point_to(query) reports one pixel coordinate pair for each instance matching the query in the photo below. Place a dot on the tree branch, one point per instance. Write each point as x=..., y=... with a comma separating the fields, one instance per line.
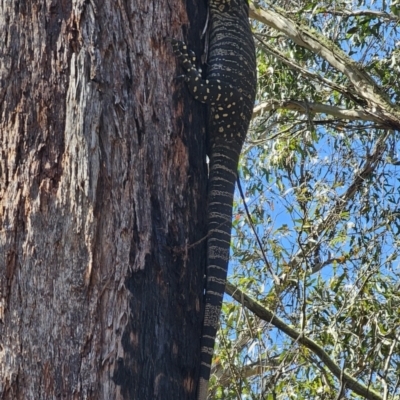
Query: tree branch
x=270, y=317
x=379, y=104
x=333, y=215
x=359, y=13
x=303, y=71
x=304, y=107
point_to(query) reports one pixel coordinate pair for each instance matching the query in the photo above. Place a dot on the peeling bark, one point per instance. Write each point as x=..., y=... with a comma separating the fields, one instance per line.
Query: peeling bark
x=102, y=190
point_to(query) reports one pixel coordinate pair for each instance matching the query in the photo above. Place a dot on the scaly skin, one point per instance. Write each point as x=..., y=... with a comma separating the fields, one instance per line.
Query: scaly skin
x=229, y=91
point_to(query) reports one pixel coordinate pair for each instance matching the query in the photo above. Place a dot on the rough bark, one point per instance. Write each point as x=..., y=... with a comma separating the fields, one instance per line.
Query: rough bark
x=102, y=191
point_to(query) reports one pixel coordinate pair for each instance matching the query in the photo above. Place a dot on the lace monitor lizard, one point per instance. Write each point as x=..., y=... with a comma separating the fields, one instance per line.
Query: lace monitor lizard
x=229, y=92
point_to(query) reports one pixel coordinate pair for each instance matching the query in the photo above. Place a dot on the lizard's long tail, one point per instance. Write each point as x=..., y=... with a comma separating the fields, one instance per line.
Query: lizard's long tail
x=223, y=167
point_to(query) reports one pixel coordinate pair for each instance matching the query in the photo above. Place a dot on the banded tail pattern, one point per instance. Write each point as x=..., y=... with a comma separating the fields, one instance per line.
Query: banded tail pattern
x=229, y=92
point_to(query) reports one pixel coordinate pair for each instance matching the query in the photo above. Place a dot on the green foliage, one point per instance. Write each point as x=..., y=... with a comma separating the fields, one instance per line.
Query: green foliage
x=324, y=197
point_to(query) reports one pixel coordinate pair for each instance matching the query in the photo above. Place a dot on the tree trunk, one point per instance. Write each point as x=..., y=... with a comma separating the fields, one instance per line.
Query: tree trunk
x=102, y=192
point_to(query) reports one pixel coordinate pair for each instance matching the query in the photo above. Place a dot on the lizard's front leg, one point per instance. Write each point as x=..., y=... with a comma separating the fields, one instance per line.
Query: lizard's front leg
x=210, y=91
